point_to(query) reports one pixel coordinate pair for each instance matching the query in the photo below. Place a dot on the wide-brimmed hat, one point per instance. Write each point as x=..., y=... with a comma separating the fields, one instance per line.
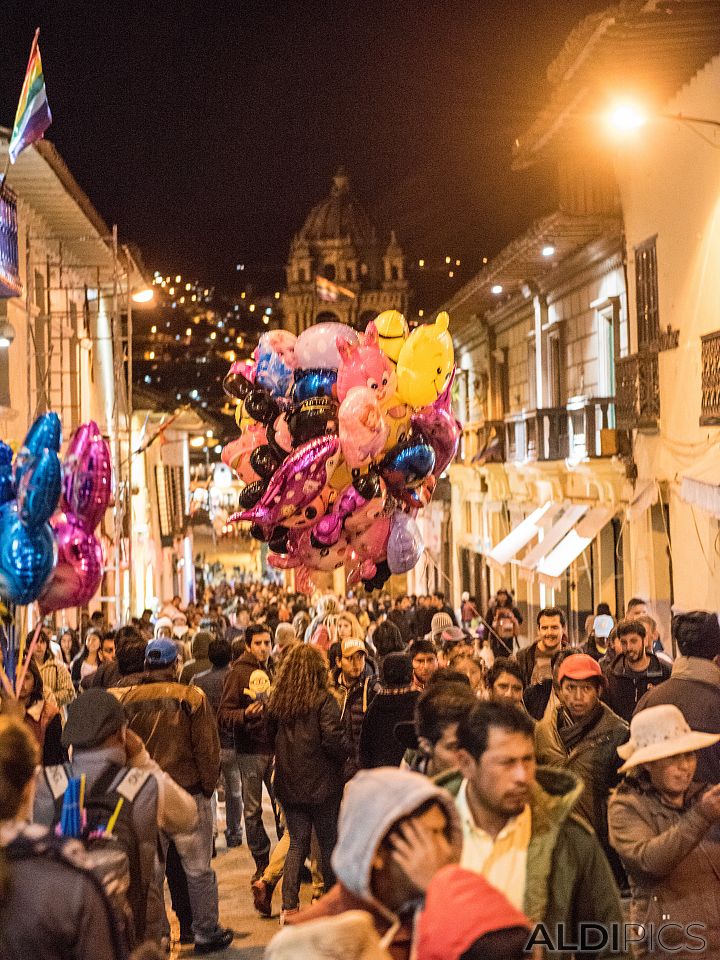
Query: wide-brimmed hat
x=660, y=732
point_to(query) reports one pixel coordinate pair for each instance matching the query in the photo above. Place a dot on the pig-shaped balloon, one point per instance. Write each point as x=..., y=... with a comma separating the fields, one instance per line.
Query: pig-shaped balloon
x=425, y=363
x=438, y=426
x=362, y=427
x=370, y=547
x=365, y=365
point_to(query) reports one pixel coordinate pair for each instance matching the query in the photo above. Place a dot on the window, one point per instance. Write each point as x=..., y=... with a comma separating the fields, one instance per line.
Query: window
x=349, y=275
x=646, y=294
x=329, y=271
x=301, y=276
x=554, y=369
x=171, y=503
x=394, y=273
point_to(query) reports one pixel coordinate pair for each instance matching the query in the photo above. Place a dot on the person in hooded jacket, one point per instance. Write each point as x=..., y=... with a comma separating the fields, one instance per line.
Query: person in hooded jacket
x=394, y=703
x=200, y=661
x=381, y=809
x=634, y=671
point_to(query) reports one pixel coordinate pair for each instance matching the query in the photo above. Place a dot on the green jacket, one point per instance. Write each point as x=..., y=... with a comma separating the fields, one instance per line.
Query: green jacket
x=568, y=879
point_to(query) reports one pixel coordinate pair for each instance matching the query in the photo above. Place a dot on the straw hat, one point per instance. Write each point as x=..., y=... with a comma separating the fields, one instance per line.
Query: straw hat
x=660, y=732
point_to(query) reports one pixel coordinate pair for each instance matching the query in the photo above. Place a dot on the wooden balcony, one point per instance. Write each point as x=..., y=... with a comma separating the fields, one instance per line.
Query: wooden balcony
x=710, y=409
x=10, y=285
x=637, y=391
x=587, y=418
x=536, y=435
x=482, y=443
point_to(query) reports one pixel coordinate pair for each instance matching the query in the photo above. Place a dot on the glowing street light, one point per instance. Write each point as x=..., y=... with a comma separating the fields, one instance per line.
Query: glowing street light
x=548, y=250
x=625, y=116
x=496, y=289
x=143, y=296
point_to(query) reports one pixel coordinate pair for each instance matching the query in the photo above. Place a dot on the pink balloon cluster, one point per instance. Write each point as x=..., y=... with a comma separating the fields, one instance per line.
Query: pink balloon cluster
x=86, y=491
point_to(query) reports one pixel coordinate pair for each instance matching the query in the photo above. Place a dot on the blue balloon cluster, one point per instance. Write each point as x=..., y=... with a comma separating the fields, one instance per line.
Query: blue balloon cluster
x=29, y=495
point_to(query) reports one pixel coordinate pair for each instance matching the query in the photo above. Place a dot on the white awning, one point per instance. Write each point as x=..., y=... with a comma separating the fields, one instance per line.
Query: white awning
x=521, y=535
x=646, y=494
x=700, y=485
x=554, y=565
x=564, y=522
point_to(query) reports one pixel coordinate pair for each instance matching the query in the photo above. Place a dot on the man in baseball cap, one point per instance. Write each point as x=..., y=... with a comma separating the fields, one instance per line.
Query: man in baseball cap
x=357, y=686
x=583, y=736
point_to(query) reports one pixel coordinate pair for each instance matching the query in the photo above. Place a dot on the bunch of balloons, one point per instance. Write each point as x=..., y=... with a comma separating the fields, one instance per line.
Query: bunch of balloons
x=56, y=560
x=86, y=491
x=343, y=437
x=29, y=494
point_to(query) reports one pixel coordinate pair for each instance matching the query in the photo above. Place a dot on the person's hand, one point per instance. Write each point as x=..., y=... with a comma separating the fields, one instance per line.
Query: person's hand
x=254, y=709
x=709, y=804
x=420, y=853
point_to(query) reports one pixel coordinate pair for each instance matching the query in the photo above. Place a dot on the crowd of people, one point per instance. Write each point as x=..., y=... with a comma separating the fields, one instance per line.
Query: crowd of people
x=457, y=792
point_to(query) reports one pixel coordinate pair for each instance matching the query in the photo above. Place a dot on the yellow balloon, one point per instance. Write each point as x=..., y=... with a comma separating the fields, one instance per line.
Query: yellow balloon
x=342, y=477
x=425, y=363
x=241, y=418
x=392, y=331
x=397, y=416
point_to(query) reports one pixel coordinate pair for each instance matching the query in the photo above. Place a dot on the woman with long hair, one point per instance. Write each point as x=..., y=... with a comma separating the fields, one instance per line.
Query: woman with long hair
x=50, y=906
x=311, y=748
x=69, y=646
x=89, y=658
x=41, y=717
x=347, y=626
x=56, y=676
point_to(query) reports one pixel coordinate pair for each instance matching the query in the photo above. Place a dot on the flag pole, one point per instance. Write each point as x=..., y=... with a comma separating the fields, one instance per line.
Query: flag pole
x=33, y=47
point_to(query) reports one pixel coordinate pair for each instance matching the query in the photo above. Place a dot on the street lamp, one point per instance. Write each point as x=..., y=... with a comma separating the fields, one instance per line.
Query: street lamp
x=7, y=333
x=143, y=296
x=627, y=116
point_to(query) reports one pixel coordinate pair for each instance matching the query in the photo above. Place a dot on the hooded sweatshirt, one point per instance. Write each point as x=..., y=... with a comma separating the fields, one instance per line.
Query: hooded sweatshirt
x=200, y=661
x=374, y=801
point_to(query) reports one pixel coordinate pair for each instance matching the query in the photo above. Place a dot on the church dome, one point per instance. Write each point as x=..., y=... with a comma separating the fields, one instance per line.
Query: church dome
x=338, y=217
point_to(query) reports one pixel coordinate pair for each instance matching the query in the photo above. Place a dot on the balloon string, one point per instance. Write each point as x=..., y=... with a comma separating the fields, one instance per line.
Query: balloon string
x=26, y=665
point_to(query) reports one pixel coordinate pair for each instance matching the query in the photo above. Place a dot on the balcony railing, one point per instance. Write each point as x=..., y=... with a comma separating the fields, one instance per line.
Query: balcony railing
x=482, y=443
x=10, y=285
x=710, y=410
x=637, y=391
x=587, y=418
x=536, y=434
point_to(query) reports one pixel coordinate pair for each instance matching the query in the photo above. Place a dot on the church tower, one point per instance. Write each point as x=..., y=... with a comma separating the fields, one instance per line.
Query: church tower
x=339, y=243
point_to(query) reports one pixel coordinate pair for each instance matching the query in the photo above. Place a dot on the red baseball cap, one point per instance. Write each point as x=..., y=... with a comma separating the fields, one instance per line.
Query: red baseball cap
x=579, y=666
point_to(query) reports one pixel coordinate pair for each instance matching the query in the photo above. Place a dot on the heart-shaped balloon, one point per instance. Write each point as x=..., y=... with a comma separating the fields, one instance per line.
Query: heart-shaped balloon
x=87, y=481
x=78, y=573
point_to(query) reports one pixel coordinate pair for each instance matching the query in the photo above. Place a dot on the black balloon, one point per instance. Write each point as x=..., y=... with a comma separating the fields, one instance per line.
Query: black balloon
x=368, y=485
x=313, y=383
x=250, y=494
x=407, y=465
x=382, y=575
x=278, y=542
x=312, y=418
x=265, y=461
x=260, y=533
x=236, y=385
x=261, y=406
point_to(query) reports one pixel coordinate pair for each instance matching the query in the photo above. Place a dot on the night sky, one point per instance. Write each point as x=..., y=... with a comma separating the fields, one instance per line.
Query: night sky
x=208, y=130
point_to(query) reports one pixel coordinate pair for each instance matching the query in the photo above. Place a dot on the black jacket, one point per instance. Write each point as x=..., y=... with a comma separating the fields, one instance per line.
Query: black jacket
x=250, y=735
x=310, y=753
x=626, y=688
x=354, y=704
x=378, y=746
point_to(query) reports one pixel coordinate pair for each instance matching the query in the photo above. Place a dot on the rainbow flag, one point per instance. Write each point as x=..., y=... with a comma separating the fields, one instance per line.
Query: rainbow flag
x=33, y=113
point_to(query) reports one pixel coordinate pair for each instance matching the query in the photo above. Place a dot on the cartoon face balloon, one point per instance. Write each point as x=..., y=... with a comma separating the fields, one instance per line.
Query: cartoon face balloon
x=425, y=363
x=236, y=454
x=392, y=331
x=276, y=362
x=316, y=347
x=407, y=465
x=363, y=430
x=438, y=426
x=363, y=364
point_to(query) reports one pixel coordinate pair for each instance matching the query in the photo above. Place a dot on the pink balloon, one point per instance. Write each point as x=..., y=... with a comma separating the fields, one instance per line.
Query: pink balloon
x=371, y=544
x=362, y=428
x=365, y=365
x=297, y=482
x=355, y=510
x=236, y=454
x=303, y=552
x=78, y=573
x=439, y=428
x=87, y=482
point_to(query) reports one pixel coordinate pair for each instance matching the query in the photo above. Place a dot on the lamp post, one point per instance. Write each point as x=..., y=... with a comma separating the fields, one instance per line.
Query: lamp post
x=627, y=116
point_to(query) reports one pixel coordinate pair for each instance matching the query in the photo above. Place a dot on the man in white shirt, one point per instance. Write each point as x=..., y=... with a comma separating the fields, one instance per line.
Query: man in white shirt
x=519, y=829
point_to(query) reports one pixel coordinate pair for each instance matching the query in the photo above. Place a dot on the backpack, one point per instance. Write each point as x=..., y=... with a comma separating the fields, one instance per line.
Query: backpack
x=116, y=861
x=66, y=851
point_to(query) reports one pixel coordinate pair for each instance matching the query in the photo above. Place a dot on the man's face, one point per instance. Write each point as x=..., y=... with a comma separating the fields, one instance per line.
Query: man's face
x=352, y=666
x=424, y=666
x=579, y=697
x=461, y=649
x=639, y=610
x=108, y=649
x=633, y=646
x=501, y=780
x=444, y=754
x=260, y=646
x=243, y=619
x=550, y=632
x=507, y=689
x=405, y=603
x=388, y=881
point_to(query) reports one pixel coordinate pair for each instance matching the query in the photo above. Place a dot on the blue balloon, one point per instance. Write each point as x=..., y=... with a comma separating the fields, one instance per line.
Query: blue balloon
x=39, y=490
x=407, y=464
x=7, y=487
x=27, y=557
x=313, y=383
x=44, y=434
